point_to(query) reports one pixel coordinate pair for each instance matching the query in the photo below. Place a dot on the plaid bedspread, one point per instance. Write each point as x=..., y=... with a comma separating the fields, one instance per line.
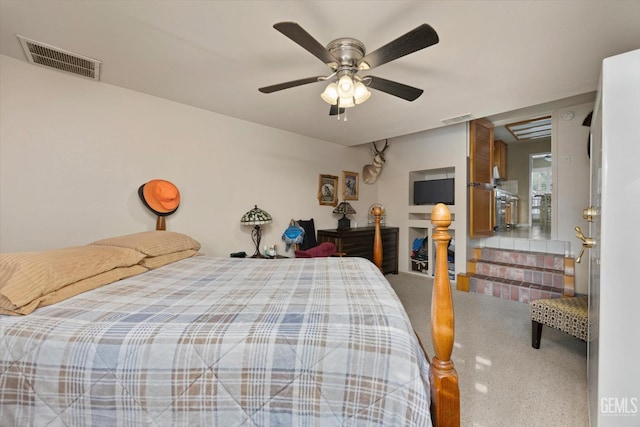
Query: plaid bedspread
x=219, y=342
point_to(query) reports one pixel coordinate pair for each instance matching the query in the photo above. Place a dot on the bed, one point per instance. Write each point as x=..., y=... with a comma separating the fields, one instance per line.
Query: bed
x=186, y=339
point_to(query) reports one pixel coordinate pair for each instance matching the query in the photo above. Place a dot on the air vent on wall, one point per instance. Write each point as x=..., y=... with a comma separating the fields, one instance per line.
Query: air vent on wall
x=60, y=59
x=458, y=119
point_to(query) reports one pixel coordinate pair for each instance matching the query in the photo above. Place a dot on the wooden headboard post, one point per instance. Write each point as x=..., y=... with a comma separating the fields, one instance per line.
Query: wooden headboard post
x=377, y=238
x=445, y=393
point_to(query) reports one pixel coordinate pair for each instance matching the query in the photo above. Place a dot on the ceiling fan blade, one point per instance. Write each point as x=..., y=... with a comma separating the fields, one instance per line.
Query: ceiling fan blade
x=287, y=85
x=296, y=33
x=334, y=111
x=416, y=39
x=400, y=90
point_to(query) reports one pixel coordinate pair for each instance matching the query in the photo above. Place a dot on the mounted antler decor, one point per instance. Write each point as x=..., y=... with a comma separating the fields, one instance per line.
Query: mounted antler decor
x=370, y=172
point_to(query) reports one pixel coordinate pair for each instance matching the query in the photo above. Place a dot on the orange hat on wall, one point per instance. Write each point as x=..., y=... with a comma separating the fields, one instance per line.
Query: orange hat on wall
x=160, y=196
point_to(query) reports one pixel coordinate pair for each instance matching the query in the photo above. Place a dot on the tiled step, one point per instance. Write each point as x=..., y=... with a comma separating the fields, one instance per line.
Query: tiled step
x=522, y=258
x=519, y=275
x=511, y=289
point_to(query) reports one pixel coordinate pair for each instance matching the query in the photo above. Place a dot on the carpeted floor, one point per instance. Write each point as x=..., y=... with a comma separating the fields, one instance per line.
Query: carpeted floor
x=503, y=380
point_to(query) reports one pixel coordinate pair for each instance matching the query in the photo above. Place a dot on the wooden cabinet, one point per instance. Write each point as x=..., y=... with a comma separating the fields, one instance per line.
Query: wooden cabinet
x=480, y=178
x=500, y=158
x=358, y=242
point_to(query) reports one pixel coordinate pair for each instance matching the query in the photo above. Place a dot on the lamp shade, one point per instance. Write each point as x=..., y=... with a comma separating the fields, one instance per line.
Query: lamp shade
x=345, y=87
x=330, y=94
x=256, y=216
x=346, y=102
x=344, y=208
x=346, y=92
x=361, y=93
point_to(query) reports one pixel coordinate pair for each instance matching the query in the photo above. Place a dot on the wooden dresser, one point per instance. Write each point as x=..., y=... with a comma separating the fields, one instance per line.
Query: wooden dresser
x=358, y=242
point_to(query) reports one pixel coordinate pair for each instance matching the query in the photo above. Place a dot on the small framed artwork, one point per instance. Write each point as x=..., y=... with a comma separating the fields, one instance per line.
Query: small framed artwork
x=350, y=185
x=328, y=190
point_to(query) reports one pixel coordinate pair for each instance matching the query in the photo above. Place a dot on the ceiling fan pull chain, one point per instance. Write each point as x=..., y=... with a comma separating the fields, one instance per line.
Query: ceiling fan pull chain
x=345, y=115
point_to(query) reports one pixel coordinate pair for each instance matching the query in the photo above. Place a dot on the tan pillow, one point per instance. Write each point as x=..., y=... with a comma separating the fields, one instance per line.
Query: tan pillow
x=158, y=261
x=153, y=243
x=72, y=289
x=26, y=276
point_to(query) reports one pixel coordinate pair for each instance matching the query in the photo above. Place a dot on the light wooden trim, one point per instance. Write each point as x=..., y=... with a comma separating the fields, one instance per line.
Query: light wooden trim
x=377, y=238
x=462, y=282
x=445, y=393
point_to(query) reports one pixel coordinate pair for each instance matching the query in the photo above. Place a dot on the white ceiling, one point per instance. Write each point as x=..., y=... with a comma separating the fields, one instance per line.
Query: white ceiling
x=493, y=56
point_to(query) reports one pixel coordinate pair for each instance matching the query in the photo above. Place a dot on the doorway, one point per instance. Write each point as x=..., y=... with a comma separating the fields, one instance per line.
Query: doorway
x=529, y=165
x=540, y=189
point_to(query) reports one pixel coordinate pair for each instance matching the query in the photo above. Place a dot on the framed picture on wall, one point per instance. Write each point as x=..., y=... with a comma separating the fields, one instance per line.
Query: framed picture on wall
x=328, y=190
x=350, y=185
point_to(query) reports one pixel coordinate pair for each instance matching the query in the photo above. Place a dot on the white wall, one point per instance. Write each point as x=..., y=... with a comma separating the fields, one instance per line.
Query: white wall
x=73, y=153
x=570, y=194
x=434, y=149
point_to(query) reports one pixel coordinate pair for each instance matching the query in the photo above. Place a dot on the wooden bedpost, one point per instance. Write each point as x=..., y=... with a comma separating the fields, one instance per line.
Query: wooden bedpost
x=445, y=394
x=377, y=238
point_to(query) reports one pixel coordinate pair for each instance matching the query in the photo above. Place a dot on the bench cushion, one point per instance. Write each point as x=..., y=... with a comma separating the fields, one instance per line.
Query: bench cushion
x=570, y=315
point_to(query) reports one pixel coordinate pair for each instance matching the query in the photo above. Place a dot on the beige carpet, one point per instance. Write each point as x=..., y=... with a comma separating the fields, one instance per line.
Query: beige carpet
x=503, y=380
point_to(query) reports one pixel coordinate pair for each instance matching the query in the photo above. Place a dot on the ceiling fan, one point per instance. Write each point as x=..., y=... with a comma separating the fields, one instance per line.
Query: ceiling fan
x=346, y=57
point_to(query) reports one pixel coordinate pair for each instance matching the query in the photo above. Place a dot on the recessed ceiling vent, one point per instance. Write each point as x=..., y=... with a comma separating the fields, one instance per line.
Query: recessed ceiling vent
x=60, y=59
x=458, y=119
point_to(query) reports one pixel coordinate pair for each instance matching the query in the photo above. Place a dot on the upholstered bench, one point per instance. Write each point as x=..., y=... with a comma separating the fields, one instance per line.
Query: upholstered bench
x=570, y=315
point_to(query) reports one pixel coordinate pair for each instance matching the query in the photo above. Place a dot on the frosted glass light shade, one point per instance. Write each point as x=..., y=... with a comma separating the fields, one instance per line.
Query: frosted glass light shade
x=330, y=94
x=361, y=93
x=346, y=102
x=345, y=87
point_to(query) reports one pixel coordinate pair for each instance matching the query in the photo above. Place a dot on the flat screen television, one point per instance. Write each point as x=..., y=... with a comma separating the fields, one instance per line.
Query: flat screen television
x=434, y=191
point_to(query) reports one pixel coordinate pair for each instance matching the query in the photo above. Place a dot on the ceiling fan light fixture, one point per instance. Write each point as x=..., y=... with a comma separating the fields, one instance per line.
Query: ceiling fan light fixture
x=347, y=56
x=346, y=102
x=360, y=93
x=330, y=94
x=345, y=87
